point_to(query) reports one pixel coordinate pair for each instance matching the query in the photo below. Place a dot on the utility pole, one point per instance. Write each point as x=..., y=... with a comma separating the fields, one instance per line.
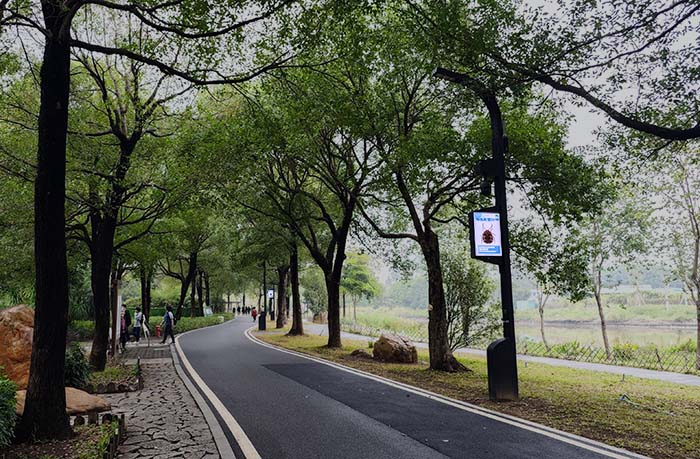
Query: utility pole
x=500, y=354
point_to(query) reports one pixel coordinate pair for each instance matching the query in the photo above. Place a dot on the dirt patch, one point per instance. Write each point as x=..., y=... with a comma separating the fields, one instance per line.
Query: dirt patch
x=85, y=444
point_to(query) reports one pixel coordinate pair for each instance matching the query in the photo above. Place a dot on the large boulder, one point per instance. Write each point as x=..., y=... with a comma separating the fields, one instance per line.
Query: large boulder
x=16, y=331
x=77, y=402
x=394, y=348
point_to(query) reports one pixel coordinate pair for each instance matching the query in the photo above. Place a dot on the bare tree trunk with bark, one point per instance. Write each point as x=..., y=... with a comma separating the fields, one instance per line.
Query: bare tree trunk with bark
x=541, y=303
x=297, y=319
x=45, y=405
x=281, y=295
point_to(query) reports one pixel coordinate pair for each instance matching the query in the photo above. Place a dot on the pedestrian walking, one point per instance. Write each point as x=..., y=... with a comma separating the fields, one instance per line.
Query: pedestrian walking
x=169, y=323
x=127, y=320
x=122, y=331
x=138, y=321
x=254, y=313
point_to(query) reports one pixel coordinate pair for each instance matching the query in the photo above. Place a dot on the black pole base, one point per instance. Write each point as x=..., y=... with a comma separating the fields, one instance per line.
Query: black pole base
x=272, y=315
x=262, y=321
x=503, y=370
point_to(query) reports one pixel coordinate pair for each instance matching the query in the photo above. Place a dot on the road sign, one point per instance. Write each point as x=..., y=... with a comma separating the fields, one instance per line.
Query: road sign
x=270, y=293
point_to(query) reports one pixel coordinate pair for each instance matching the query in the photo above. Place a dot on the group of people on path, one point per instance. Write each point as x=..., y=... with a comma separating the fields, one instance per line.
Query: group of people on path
x=124, y=335
x=139, y=323
x=247, y=310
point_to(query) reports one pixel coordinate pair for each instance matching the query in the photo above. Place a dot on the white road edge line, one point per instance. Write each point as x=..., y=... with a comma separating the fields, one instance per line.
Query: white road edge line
x=222, y=443
x=236, y=430
x=581, y=442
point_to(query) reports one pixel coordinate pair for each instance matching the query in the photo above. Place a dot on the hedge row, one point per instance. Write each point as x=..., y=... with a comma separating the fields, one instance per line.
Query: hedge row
x=82, y=330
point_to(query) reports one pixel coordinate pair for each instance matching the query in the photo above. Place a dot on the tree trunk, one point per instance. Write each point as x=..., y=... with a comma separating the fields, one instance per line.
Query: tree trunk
x=354, y=310
x=193, y=293
x=147, y=305
x=200, y=295
x=185, y=284
x=603, y=326
x=207, y=291
x=281, y=295
x=45, y=406
x=343, y=305
x=297, y=320
x=542, y=302
x=333, y=289
x=143, y=278
x=264, y=286
x=101, y=267
x=438, y=341
x=697, y=341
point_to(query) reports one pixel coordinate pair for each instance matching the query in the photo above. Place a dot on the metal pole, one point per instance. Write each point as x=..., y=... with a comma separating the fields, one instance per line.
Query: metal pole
x=501, y=354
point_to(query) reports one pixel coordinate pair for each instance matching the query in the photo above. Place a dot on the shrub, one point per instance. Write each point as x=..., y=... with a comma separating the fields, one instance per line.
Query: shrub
x=77, y=371
x=686, y=346
x=7, y=410
x=625, y=351
x=81, y=330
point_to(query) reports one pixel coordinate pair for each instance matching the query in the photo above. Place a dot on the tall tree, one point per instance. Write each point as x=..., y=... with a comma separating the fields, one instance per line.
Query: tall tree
x=675, y=176
x=628, y=220
x=131, y=106
x=44, y=414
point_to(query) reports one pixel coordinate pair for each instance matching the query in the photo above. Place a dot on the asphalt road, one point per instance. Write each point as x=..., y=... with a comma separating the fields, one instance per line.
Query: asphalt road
x=292, y=407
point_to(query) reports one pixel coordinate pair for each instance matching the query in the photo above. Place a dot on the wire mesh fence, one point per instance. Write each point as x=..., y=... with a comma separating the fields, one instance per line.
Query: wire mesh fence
x=628, y=355
x=417, y=334
x=679, y=360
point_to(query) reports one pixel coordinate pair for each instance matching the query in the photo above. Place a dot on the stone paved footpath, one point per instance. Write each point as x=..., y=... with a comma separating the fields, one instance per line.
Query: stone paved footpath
x=162, y=420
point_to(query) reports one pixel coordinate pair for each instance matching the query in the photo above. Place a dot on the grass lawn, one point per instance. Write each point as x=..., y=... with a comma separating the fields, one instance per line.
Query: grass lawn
x=115, y=372
x=662, y=422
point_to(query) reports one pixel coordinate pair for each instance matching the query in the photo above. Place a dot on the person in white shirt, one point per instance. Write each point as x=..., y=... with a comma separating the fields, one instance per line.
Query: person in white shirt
x=138, y=321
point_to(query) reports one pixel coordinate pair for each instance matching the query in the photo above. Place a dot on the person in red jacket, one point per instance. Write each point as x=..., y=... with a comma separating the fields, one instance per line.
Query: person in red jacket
x=254, y=313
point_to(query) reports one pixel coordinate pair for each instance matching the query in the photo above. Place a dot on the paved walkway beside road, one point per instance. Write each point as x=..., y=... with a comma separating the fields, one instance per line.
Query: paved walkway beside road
x=678, y=378
x=162, y=420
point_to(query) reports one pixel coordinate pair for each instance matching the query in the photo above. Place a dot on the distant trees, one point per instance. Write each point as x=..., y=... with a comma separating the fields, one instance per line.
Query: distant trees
x=471, y=316
x=358, y=280
x=617, y=235
x=675, y=176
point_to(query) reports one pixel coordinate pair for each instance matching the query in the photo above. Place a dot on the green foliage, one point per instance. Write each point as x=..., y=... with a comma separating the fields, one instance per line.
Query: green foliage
x=192, y=323
x=81, y=330
x=624, y=351
x=688, y=346
x=7, y=410
x=314, y=290
x=468, y=290
x=358, y=279
x=77, y=370
x=112, y=373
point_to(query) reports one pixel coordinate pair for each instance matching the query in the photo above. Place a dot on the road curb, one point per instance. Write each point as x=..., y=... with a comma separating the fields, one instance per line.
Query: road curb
x=582, y=442
x=222, y=444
